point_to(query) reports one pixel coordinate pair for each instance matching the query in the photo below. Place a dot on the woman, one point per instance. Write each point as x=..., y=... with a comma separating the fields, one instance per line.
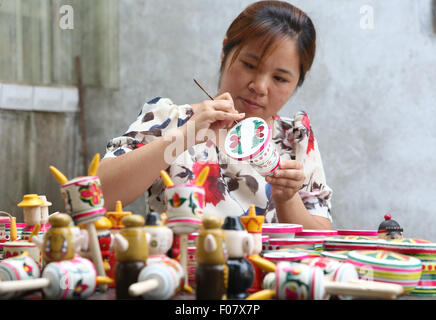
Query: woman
x=266, y=54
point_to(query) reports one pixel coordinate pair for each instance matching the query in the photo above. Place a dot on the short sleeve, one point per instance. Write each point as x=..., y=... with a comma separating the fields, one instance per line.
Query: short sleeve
x=156, y=116
x=296, y=140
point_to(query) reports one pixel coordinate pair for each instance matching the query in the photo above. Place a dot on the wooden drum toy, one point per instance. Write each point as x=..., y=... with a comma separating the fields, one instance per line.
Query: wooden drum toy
x=250, y=140
x=418, y=248
x=389, y=267
x=351, y=243
x=17, y=268
x=427, y=284
x=317, y=234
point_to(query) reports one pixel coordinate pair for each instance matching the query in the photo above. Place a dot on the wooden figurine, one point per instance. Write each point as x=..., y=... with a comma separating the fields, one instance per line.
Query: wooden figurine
x=31, y=205
x=185, y=203
x=44, y=213
x=239, y=244
x=131, y=253
x=66, y=275
x=116, y=216
x=297, y=281
x=83, y=199
x=253, y=224
x=161, y=238
x=389, y=229
x=211, y=274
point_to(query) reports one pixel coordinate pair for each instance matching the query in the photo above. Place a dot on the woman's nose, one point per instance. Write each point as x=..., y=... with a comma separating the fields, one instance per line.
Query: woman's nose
x=259, y=85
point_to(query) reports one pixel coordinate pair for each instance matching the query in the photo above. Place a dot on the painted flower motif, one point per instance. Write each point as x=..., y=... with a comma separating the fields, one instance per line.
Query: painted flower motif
x=91, y=194
x=306, y=124
x=80, y=288
x=213, y=186
x=259, y=132
x=176, y=201
x=235, y=141
x=28, y=269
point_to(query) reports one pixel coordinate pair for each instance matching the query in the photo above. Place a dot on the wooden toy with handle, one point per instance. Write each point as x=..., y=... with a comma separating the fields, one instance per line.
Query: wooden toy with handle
x=84, y=202
x=297, y=281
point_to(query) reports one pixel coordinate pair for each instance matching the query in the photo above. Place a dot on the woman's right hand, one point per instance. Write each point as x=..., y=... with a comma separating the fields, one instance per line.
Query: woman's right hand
x=216, y=114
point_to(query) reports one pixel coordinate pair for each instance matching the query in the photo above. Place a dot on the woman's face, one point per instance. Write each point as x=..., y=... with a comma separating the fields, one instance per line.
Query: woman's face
x=261, y=89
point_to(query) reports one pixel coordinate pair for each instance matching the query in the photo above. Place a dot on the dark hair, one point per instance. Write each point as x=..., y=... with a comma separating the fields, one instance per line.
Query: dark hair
x=271, y=21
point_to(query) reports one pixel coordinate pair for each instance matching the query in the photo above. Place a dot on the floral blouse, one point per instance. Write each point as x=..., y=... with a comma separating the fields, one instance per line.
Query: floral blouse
x=231, y=187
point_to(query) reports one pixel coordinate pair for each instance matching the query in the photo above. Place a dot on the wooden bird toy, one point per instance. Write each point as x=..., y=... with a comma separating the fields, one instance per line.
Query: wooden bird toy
x=131, y=253
x=211, y=274
x=185, y=203
x=239, y=244
x=66, y=275
x=297, y=281
x=83, y=199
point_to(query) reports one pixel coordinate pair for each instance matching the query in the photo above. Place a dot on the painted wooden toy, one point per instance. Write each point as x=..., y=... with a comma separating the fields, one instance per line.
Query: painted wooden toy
x=31, y=205
x=159, y=281
x=83, y=199
x=293, y=243
x=285, y=255
x=66, y=275
x=239, y=244
x=357, y=233
x=418, y=248
x=250, y=140
x=340, y=255
x=131, y=253
x=44, y=213
x=253, y=224
x=116, y=216
x=427, y=283
x=351, y=243
x=281, y=230
x=317, y=234
x=334, y=270
x=6, y=218
x=389, y=229
x=185, y=203
x=298, y=281
x=389, y=267
x=211, y=274
x=105, y=241
x=161, y=238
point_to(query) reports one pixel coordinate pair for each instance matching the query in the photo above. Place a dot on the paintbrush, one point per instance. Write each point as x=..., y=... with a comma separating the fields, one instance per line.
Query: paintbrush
x=211, y=98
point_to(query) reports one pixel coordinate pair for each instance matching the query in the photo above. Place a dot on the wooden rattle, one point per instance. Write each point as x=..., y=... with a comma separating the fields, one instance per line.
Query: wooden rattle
x=297, y=281
x=184, y=211
x=159, y=281
x=83, y=199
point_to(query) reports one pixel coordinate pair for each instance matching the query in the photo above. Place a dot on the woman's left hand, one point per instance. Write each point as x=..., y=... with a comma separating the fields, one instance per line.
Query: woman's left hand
x=287, y=180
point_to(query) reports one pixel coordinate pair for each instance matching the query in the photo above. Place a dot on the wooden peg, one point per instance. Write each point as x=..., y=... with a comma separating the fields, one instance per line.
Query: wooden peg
x=93, y=167
x=60, y=177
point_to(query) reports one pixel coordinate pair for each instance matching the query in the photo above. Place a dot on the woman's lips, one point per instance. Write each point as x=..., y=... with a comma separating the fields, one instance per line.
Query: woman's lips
x=250, y=105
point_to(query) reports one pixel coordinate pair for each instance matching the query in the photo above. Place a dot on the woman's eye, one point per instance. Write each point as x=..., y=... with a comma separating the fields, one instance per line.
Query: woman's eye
x=248, y=65
x=280, y=79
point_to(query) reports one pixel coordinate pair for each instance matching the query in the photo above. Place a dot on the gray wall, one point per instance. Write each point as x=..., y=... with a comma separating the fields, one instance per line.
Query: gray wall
x=370, y=95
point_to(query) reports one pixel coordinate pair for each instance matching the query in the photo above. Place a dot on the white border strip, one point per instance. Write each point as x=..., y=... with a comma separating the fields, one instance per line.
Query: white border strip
x=39, y=98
